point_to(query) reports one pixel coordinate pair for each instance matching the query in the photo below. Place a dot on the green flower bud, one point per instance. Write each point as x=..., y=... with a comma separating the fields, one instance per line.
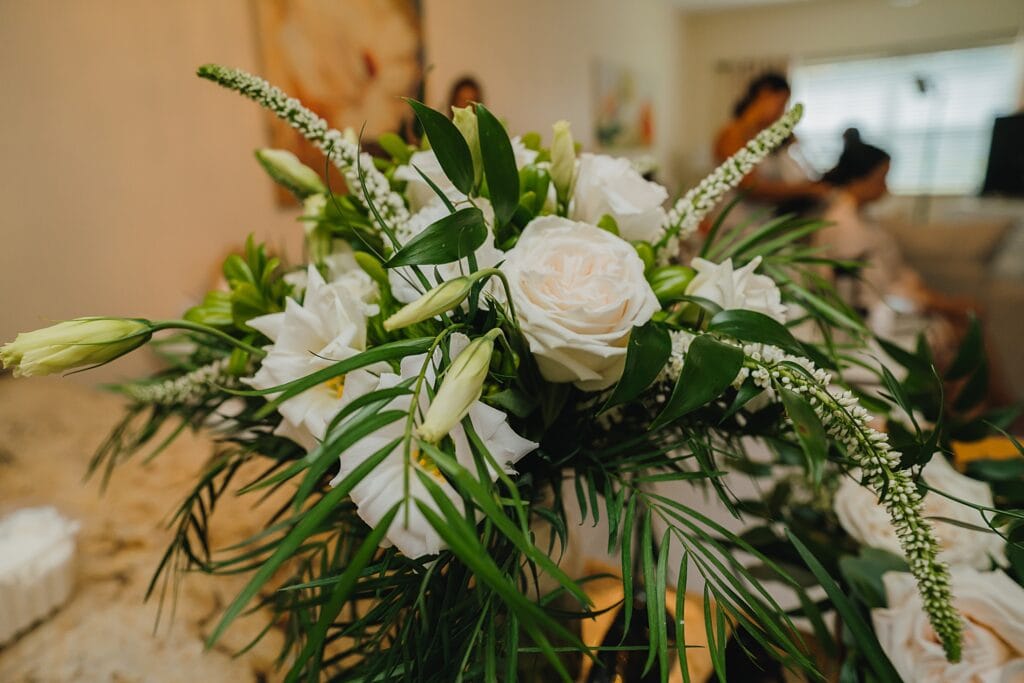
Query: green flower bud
x=286, y=169
x=79, y=343
x=563, y=161
x=465, y=121
x=440, y=299
x=462, y=385
x=670, y=282
x=646, y=253
x=608, y=223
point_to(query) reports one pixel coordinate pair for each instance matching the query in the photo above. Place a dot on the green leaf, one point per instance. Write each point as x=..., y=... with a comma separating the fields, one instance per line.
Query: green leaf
x=809, y=431
x=648, y=349
x=448, y=144
x=307, y=525
x=975, y=390
x=752, y=326
x=708, y=369
x=215, y=310
x=448, y=239
x=862, y=633
x=499, y=166
x=970, y=354
x=384, y=352
x=864, y=574
x=339, y=595
x=484, y=500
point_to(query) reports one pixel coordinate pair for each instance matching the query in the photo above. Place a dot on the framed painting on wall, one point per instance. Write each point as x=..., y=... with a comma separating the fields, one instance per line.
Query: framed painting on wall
x=352, y=62
x=623, y=107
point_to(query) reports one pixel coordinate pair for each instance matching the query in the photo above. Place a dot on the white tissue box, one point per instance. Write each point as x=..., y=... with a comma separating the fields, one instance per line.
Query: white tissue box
x=37, y=550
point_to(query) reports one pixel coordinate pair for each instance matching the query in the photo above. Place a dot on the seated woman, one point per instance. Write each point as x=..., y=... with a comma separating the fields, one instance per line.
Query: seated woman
x=883, y=284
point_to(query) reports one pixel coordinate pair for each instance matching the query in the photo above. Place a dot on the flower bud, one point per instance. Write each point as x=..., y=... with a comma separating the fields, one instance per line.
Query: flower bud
x=78, y=343
x=460, y=388
x=646, y=253
x=563, y=161
x=440, y=299
x=286, y=169
x=465, y=120
x=670, y=282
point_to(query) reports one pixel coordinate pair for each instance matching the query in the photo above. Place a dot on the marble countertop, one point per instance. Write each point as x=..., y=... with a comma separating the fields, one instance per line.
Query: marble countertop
x=49, y=429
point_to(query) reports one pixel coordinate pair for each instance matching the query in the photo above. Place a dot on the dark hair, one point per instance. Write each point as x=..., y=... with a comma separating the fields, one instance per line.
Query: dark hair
x=772, y=81
x=464, y=81
x=857, y=161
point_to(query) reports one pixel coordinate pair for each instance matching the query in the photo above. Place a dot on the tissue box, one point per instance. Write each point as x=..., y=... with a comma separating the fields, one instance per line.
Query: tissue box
x=37, y=550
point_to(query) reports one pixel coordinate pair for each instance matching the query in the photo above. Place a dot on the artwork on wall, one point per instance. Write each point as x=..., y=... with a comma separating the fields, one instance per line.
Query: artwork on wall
x=351, y=62
x=623, y=107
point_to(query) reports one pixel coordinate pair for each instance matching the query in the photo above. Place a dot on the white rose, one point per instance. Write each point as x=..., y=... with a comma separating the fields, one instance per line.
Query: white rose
x=993, y=609
x=405, y=286
x=578, y=291
x=418, y=191
x=610, y=185
x=741, y=288
x=866, y=521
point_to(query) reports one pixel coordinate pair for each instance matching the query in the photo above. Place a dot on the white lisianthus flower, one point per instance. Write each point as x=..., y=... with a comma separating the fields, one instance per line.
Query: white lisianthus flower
x=329, y=325
x=343, y=274
x=869, y=524
x=420, y=194
x=405, y=287
x=578, y=292
x=610, y=185
x=993, y=609
x=732, y=289
x=378, y=492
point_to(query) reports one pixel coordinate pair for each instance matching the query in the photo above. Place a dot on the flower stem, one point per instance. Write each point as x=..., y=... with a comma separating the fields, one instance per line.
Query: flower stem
x=206, y=329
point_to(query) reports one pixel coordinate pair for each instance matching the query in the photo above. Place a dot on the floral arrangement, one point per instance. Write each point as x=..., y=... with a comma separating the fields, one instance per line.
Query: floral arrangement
x=487, y=331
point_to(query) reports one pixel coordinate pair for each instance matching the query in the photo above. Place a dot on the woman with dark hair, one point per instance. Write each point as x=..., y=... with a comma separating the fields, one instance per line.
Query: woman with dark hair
x=780, y=181
x=883, y=284
x=465, y=92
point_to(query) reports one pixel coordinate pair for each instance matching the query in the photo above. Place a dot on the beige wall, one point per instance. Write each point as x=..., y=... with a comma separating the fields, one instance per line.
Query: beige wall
x=534, y=58
x=125, y=178
x=820, y=29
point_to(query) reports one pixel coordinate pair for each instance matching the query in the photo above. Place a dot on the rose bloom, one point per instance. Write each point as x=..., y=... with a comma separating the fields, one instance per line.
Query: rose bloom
x=992, y=606
x=732, y=289
x=866, y=521
x=578, y=292
x=610, y=185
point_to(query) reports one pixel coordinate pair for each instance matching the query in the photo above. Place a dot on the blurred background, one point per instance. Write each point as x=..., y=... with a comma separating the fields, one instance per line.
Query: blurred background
x=126, y=178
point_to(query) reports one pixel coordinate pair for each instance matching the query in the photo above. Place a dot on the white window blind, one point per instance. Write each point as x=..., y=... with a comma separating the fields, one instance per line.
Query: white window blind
x=932, y=112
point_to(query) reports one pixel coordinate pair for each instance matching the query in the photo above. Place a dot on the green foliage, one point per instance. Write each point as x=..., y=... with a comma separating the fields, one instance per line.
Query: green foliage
x=499, y=166
x=709, y=369
x=648, y=350
x=453, y=237
x=448, y=144
x=255, y=288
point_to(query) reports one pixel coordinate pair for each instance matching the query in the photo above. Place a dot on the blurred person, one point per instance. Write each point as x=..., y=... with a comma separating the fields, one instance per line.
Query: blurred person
x=883, y=286
x=465, y=92
x=780, y=183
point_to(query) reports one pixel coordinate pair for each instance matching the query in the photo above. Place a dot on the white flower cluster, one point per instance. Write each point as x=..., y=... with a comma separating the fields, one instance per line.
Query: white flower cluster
x=186, y=389
x=848, y=424
x=342, y=152
x=687, y=213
